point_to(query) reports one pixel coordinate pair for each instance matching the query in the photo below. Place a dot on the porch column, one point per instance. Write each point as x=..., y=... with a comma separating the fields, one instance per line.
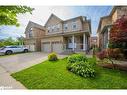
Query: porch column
x=108, y=34
x=108, y=37
x=73, y=42
x=84, y=42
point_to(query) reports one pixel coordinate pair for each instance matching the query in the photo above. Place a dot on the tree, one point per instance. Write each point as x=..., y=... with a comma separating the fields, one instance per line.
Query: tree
x=8, y=14
x=118, y=32
x=20, y=40
x=9, y=41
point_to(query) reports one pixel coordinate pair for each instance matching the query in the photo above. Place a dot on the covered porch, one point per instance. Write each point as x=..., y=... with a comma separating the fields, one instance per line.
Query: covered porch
x=76, y=42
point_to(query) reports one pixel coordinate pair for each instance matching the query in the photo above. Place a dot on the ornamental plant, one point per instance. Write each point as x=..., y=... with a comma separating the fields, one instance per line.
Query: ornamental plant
x=52, y=57
x=81, y=65
x=118, y=32
x=83, y=69
x=76, y=58
x=101, y=55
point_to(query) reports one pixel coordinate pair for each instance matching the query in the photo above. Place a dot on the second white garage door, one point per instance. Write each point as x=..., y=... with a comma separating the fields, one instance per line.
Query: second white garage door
x=46, y=47
x=57, y=47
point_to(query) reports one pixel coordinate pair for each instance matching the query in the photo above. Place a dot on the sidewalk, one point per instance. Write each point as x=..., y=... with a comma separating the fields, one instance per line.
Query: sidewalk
x=8, y=82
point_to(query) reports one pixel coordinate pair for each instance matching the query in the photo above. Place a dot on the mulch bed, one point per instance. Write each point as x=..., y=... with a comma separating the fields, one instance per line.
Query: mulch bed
x=116, y=66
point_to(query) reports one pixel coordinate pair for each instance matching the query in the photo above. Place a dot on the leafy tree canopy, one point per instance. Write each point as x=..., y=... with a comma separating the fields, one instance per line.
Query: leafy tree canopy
x=8, y=14
x=9, y=41
x=118, y=32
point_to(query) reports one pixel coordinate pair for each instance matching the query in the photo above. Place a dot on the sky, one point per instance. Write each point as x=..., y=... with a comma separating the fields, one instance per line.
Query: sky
x=41, y=14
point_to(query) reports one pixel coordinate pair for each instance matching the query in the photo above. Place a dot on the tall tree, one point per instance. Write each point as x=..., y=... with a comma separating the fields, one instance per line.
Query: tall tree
x=118, y=32
x=8, y=14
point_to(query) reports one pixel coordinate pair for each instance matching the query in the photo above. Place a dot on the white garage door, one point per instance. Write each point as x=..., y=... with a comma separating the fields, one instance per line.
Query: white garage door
x=46, y=47
x=31, y=47
x=57, y=47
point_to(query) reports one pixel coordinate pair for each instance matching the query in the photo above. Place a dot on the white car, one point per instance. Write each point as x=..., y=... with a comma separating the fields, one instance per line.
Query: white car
x=13, y=49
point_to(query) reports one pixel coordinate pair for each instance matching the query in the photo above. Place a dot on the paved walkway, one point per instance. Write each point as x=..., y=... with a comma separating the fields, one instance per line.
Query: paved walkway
x=8, y=82
x=15, y=63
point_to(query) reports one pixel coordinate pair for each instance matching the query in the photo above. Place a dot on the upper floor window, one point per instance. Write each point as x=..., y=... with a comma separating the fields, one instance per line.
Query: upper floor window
x=53, y=28
x=57, y=27
x=74, y=25
x=65, y=26
x=31, y=33
x=49, y=29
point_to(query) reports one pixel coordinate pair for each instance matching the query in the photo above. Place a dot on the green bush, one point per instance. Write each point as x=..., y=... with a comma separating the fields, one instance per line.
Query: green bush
x=52, y=57
x=81, y=65
x=76, y=58
x=84, y=69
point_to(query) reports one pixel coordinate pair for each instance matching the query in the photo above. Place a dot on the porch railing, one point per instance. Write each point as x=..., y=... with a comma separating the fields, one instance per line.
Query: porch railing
x=77, y=47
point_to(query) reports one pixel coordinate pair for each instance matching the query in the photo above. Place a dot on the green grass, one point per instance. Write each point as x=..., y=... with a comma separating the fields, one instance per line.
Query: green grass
x=54, y=75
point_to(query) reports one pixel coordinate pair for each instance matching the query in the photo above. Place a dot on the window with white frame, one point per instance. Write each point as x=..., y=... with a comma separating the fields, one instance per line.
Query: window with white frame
x=31, y=32
x=49, y=29
x=53, y=28
x=65, y=26
x=57, y=27
x=74, y=25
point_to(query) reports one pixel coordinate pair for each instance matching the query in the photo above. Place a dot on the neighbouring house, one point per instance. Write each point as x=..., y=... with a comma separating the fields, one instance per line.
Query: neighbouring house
x=34, y=33
x=105, y=25
x=93, y=41
x=72, y=35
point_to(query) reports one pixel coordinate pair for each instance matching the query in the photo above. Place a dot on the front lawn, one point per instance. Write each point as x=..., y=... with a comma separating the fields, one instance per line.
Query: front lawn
x=54, y=75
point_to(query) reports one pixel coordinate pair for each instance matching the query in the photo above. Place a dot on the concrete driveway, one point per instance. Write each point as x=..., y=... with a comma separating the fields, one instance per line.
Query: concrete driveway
x=14, y=63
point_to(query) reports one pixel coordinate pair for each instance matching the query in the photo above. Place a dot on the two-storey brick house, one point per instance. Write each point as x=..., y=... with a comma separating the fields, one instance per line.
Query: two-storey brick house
x=66, y=35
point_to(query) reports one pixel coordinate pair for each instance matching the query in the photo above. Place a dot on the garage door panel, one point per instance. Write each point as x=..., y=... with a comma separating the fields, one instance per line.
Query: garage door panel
x=31, y=47
x=57, y=47
x=46, y=48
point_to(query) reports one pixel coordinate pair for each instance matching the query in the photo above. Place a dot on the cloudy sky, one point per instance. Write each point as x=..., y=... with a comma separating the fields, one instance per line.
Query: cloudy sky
x=41, y=14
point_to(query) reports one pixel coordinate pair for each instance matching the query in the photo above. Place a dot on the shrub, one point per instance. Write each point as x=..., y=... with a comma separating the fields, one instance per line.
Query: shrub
x=76, y=58
x=117, y=53
x=81, y=65
x=109, y=52
x=52, y=57
x=114, y=53
x=101, y=55
x=84, y=69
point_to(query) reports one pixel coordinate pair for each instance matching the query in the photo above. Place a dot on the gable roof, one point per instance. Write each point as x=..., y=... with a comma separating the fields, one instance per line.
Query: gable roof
x=80, y=17
x=52, y=15
x=34, y=25
x=100, y=22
